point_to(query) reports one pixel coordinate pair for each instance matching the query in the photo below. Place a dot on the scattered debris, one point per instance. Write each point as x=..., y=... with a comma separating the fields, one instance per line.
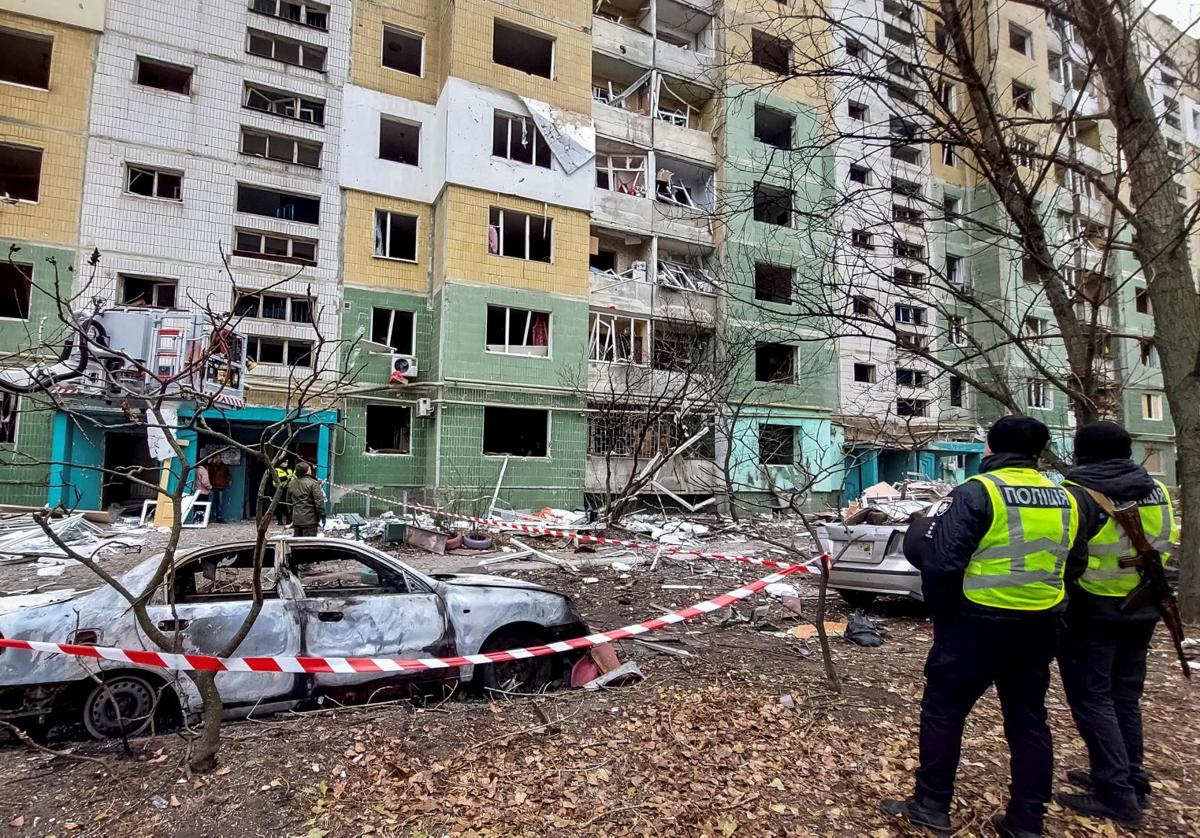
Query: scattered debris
x=23, y=540
x=626, y=673
x=664, y=649
x=808, y=631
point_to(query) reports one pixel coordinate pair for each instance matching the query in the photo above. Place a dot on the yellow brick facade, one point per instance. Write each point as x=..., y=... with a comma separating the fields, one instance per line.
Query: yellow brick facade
x=54, y=121
x=466, y=254
x=361, y=267
x=423, y=17
x=567, y=21
x=800, y=25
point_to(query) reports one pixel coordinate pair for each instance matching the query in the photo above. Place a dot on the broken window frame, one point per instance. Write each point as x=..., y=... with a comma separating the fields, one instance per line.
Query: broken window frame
x=288, y=205
x=790, y=372
x=761, y=109
x=519, y=418
x=907, y=278
x=384, y=233
x=184, y=89
x=683, y=277
x=782, y=450
x=629, y=179
x=498, y=24
x=496, y=216
x=1152, y=407
x=764, y=49
x=910, y=377
x=26, y=195
x=957, y=392
x=912, y=408
x=390, y=424
x=1034, y=328
x=773, y=283
x=609, y=343
x=684, y=115
x=530, y=138
x=21, y=275
x=297, y=104
x=300, y=357
x=155, y=285
x=276, y=143
x=319, y=13
x=1039, y=394
x=1023, y=97
x=389, y=335
x=10, y=418
x=910, y=314
x=674, y=349
x=37, y=78
x=619, y=431
x=956, y=330
x=388, y=119
x=766, y=196
x=864, y=373
x=157, y=185
x=263, y=253
x=308, y=56
x=525, y=346
x=252, y=304
x=911, y=342
x=419, y=37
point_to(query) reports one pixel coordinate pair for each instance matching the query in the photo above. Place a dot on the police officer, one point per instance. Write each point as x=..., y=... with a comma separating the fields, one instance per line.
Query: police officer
x=284, y=475
x=992, y=560
x=1103, y=652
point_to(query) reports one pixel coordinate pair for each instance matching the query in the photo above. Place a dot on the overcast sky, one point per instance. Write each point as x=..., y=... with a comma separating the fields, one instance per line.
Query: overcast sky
x=1182, y=12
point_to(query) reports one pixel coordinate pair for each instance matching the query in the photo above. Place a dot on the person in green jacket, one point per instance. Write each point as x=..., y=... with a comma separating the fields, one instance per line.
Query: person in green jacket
x=307, y=500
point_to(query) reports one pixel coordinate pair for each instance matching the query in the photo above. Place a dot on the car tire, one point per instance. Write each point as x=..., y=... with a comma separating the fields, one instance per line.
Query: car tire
x=528, y=675
x=136, y=701
x=857, y=599
x=482, y=543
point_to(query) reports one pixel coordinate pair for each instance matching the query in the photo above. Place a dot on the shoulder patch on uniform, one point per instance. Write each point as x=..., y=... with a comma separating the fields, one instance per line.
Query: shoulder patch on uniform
x=942, y=506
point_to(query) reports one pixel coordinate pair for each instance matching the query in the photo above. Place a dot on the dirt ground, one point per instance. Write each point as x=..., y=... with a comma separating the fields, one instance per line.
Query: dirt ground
x=743, y=736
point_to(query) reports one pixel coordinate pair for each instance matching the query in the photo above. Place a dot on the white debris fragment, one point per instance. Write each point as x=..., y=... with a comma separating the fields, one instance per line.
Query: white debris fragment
x=782, y=589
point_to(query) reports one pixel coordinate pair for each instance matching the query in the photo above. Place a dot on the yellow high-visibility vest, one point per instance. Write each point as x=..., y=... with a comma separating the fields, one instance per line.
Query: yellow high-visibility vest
x=1020, y=561
x=1104, y=575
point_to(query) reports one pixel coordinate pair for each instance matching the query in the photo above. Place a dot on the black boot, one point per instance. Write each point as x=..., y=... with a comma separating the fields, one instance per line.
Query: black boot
x=1083, y=779
x=920, y=812
x=1092, y=806
x=1005, y=830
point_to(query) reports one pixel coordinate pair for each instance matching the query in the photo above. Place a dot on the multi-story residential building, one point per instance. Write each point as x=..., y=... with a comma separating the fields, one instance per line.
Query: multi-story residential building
x=550, y=241
x=467, y=175
x=212, y=184
x=47, y=60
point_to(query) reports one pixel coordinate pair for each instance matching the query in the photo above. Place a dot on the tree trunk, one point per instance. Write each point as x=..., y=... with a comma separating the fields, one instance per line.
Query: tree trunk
x=204, y=748
x=1161, y=248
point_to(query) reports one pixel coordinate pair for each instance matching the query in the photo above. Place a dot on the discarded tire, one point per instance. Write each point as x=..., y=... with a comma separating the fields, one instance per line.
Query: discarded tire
x=484, y=542
x=454, y=542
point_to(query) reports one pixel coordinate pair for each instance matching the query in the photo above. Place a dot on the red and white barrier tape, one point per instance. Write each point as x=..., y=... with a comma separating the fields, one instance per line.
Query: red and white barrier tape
x=211, y=663
x=502, y=524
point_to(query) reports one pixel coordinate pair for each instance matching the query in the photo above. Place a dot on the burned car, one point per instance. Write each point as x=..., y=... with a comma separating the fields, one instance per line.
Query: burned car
x=321, y=598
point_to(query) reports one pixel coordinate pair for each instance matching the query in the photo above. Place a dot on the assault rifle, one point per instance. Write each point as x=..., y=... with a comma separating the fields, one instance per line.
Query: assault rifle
x=1154, y=589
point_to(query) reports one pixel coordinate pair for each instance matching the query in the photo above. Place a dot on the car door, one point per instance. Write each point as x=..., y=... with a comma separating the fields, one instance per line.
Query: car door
x=213, y=593
x=357, y=604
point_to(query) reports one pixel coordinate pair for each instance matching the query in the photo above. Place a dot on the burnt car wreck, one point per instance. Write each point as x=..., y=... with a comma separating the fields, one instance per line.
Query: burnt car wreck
x=320, y=598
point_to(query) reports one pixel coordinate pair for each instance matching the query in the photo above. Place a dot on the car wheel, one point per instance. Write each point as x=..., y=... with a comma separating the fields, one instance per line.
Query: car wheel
x=524, y=676
x=857, y=599
x=122, y=705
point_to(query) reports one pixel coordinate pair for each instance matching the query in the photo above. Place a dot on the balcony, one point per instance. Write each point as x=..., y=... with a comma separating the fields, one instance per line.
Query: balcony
x=681, y=475
x=622, y=41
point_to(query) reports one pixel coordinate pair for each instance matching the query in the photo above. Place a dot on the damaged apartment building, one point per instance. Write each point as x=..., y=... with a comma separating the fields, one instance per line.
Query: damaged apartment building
x=550, y=247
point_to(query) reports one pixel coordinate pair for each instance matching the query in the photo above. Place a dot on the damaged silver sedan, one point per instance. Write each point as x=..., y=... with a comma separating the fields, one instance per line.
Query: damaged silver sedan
x=321, y=597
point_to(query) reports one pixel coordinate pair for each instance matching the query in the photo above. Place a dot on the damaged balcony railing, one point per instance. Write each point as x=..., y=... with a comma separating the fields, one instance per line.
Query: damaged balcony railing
x=684, y=277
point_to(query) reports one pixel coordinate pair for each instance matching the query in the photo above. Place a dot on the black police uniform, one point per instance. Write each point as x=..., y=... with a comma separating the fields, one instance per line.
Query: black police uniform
x=1102, y=657
x=974, y=647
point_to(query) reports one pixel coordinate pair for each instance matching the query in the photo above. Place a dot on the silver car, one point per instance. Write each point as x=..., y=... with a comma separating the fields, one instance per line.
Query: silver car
x=322, y=597
x=869, y=561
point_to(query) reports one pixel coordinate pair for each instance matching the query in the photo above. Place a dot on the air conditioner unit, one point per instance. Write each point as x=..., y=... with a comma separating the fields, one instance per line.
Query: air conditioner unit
x=405, y=365
x=424, y=407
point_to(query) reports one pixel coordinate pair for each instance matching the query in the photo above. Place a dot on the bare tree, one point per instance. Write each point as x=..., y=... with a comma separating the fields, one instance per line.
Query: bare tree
x=168, y=400
x=977, y=228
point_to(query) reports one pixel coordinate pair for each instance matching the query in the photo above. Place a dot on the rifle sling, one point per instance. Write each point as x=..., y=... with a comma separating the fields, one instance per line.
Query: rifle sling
x=1110, y=509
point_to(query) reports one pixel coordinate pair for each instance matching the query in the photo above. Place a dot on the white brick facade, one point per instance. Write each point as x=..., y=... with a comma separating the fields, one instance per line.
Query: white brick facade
x=199, y=135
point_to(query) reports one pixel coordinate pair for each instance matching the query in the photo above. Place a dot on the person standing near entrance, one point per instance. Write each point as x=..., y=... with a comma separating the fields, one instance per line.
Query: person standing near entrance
x=283, y=477
x=307, y=501
x=218, y=478
x=1103, y=654
x=992, y=560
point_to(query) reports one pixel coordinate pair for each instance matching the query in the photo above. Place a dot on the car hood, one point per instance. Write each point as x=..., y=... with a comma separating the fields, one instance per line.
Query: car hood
x=481, y=580
x=25, y=602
